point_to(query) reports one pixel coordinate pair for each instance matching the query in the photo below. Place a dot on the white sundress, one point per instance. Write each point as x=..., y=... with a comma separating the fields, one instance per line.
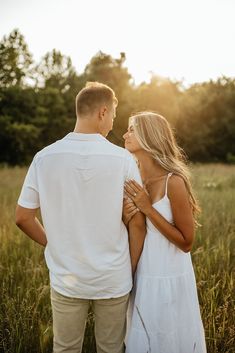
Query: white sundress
x=164, y=314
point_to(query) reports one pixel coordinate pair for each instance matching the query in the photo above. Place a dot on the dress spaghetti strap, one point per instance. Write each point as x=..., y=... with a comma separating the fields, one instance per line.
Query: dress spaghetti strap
x=167, y=178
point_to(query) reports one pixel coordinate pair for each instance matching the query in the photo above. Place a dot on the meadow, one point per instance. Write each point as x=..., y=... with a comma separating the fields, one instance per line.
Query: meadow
x=25, y=313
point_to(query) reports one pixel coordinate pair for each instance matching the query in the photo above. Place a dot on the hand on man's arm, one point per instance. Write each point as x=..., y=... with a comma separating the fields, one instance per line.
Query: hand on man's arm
x=27, y=221
x=129, y=210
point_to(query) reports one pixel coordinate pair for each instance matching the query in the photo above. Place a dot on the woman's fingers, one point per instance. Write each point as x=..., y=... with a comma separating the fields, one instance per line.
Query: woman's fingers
x=131, y=187
x=135, y=185
x=131, y=214
x=128, y=207
x=126, y=199
x=129, y=210
x=129, y=194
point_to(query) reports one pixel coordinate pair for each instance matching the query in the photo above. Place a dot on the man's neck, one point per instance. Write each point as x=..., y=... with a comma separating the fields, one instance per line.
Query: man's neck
x=86, y=131
x=85, y=127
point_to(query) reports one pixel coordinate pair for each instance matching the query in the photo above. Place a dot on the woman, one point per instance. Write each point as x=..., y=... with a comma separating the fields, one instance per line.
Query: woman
x=165, y=315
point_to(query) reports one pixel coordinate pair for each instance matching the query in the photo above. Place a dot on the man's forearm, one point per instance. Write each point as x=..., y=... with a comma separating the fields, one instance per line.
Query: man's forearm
x=33, y=228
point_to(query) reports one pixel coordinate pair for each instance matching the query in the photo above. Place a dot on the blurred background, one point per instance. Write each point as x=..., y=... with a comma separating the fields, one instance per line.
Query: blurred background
x=173, y=57
x=176, y=58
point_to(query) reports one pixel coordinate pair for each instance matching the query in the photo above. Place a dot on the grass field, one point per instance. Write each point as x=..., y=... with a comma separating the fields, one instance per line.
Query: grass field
x=25, y=313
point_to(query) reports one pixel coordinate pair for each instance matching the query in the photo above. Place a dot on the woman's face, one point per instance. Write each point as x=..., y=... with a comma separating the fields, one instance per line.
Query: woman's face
x=131, y=143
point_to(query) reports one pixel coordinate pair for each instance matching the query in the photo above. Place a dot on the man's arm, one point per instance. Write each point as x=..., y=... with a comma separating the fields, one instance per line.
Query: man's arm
x=27, y=221
x=137, y=232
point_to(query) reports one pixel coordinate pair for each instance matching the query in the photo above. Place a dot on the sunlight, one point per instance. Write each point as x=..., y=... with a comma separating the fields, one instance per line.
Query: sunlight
x=172, y=39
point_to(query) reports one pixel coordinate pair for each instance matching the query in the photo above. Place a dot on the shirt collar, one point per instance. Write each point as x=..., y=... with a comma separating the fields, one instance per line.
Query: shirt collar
x=77, y=136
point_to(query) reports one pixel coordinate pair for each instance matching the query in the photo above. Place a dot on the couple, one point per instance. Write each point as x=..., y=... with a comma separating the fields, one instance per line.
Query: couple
x=93, y=239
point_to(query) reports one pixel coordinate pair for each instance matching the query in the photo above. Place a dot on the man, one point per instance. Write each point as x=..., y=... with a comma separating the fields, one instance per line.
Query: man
x=78, y=184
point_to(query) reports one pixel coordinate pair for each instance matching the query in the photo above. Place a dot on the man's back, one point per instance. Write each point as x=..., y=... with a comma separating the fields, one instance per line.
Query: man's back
x=80, y=183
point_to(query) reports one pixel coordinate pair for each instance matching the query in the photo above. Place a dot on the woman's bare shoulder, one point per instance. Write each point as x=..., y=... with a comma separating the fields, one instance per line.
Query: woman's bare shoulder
x=176, y=185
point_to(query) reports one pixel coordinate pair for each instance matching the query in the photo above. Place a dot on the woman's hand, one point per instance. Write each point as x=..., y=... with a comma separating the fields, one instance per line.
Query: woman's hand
x=129, y=210
x=138, y=195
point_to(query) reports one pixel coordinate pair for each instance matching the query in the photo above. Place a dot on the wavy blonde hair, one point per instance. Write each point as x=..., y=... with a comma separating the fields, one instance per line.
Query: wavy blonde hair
x=156, y=136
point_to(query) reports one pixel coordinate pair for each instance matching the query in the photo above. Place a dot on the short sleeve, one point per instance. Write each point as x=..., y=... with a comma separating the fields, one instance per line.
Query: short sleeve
x=133, y=170
x=29, y=196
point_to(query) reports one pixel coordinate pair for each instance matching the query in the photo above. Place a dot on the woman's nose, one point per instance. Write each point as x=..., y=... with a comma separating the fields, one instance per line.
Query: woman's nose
x=125, y=135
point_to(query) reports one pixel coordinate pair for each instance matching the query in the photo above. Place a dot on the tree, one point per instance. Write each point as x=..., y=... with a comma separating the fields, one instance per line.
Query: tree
x=52, y=115
x=55, y=71
x=19, y=126
x=206, y=127
x=33, y=116
x=105, y=69
x=160, y=95
x=15, y=60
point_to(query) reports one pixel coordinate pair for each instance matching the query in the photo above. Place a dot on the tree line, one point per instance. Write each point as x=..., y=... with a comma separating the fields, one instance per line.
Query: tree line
x=37, y=103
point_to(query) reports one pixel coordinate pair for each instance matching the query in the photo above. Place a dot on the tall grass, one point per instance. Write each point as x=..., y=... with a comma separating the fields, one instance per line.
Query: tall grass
x=25, y=312
x=214, y=254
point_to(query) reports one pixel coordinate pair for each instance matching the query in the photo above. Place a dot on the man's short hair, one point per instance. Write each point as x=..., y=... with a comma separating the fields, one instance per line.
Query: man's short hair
x=92, y=96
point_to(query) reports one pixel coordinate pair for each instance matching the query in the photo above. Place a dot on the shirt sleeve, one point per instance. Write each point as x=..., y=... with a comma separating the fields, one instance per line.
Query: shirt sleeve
x=133, y=170
x=29, y=196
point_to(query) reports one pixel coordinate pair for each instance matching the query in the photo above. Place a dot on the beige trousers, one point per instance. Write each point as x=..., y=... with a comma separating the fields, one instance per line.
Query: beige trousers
x=69, y=322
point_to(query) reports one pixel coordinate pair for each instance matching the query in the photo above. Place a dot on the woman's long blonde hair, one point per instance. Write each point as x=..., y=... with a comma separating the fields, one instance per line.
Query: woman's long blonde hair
x=155, y=136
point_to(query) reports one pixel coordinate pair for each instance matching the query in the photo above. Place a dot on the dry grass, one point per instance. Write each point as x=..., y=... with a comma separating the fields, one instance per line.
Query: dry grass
x=25, y=313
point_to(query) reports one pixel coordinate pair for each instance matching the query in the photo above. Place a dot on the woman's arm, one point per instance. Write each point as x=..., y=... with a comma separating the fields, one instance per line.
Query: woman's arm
x=181, y=233
x=135, y=223
x=136, y=233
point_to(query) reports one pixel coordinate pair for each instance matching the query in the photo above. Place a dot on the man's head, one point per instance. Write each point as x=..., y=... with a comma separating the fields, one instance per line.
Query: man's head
x=96, y=107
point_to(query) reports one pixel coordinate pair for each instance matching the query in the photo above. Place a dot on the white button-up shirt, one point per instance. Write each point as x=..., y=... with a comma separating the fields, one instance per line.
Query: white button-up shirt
x=78, y=183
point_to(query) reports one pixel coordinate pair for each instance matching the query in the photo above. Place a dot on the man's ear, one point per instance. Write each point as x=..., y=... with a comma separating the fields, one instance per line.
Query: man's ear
x=102, y=112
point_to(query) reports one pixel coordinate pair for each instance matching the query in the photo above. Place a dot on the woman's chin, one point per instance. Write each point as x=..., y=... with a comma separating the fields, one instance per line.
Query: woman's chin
x=128, y=148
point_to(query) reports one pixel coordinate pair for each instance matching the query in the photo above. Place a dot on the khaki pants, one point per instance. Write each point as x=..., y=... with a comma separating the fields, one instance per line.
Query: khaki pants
x=69, y=322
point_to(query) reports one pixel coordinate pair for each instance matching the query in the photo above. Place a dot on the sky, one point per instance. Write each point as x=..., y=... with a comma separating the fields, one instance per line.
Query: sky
x=189, y=40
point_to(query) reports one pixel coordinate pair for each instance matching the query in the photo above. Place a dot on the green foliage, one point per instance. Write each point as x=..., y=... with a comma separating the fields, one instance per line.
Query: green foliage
x=55, y=70
x=230, y=158
x=108, y=70
x=18, y=130
x=206, y=126
x=160, y=95
x=37, y=103
x=15, y=59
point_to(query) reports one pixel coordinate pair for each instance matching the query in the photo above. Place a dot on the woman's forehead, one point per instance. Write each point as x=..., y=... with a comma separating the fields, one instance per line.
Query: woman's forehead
x=131, y=121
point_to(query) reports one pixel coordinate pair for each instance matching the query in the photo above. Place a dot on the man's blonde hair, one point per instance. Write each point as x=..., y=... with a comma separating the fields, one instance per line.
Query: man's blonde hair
x=92, y=96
